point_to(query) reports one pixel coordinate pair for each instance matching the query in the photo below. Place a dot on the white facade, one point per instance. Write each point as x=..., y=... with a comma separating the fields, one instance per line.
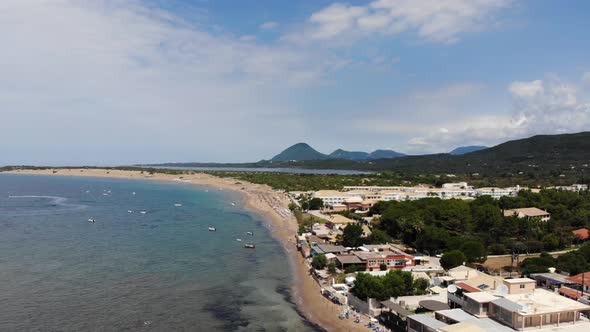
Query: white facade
x=497, y=192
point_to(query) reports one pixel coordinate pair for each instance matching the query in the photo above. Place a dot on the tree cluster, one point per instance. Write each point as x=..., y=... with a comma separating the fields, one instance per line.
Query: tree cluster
x=394, y=284
x=479, y=227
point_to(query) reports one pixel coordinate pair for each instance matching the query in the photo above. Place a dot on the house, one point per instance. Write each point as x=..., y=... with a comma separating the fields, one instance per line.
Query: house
x=391, y=259
x=347, y=260
x=550, y=280
x=516, y=304
x=582, y=234
x=582, y=280
x=319, y=249
x=530, y=213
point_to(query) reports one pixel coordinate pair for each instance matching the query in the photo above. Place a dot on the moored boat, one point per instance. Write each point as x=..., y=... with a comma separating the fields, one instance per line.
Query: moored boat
x=212, y=229
x=249, y=246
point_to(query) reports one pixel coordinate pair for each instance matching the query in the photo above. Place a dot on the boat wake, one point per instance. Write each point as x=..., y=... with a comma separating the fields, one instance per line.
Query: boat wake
x=49, y=203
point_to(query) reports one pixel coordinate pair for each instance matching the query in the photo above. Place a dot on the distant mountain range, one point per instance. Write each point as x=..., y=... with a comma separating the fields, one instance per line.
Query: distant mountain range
x=467, y=149
x=535, y=156
x=302, y=151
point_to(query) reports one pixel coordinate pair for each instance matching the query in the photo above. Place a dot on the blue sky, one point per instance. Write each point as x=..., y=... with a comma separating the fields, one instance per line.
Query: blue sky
x=129, y=81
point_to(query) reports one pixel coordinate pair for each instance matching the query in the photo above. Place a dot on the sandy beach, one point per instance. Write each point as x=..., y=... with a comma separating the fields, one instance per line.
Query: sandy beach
x=260, y=199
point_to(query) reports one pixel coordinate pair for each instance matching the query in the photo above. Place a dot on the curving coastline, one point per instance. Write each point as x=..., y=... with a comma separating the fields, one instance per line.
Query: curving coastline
x=260, y=199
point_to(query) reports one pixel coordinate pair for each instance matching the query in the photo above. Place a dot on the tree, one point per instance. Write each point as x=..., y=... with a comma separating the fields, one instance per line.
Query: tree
x=550, y=242
x=316, y=203
x=420, y=285
x=378, y=237
x=474, y=251
x=352, y=235
x=293, y=206
x=382, y=267
x=319, y=262
x=452, y=259
x=331, y=268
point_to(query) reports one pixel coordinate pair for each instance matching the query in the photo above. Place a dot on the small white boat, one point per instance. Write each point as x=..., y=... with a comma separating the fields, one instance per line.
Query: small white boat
x=250, y=233
x=105, y=194
x=92, y=220
x=130, y=211
x=239, y=240
x=177, y=204
x=249, y=246
x=233, y=204
x=142, y=212
x=212, y=229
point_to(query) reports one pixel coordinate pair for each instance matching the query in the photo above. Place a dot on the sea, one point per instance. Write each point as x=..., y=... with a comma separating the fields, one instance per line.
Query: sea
x=147, y=263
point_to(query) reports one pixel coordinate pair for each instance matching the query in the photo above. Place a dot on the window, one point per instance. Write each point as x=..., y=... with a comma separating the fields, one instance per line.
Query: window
x=522, y=286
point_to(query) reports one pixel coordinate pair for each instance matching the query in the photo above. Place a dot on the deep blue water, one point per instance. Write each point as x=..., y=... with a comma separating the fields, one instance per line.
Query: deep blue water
x=159, y=271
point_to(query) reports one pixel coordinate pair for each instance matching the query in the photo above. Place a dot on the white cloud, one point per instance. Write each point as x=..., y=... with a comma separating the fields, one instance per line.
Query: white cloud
x=117, y=79
x=433, y=20
x=270, y=25
x=526, y=89
x=547, y=106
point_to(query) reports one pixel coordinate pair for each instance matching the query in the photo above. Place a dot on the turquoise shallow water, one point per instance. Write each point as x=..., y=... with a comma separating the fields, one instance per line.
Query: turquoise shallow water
x=159, y=271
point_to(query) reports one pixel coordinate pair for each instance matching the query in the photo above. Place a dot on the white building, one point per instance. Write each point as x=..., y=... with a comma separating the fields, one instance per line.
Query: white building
x=497, y=192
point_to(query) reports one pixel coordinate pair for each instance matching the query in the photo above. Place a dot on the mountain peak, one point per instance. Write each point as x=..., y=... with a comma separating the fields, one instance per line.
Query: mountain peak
x=299, y=151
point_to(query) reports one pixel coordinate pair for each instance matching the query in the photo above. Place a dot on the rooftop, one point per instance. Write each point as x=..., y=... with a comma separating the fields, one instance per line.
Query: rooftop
x=348, y=259
x=397, y=308
x=519, y=280
x=529, y=212
x=581, y=278
x=552, y=277
x=481, y=297
x=428, y=321
x=329, y=248
x=433, y=305
x=582, y=233
x=462, y=327
x=541, y=301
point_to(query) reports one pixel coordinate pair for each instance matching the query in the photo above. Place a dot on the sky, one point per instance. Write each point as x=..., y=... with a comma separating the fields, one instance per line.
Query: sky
x=114, y=82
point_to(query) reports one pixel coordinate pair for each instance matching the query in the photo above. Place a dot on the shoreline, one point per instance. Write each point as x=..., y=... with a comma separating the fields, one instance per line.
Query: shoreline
x=313, y=306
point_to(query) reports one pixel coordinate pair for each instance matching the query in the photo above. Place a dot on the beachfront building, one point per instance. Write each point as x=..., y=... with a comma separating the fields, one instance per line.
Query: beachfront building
x=331, y=197
x=516, y=305
x=375, y=256
x=495, y=192
x=530, y=213
x=459, y=190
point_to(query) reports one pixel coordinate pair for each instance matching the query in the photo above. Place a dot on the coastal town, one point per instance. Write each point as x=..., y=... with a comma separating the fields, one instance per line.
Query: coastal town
x=464, y=297
x=350, y=276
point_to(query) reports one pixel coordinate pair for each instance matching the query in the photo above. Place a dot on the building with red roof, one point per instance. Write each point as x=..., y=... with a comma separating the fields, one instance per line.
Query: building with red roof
x=582, y=234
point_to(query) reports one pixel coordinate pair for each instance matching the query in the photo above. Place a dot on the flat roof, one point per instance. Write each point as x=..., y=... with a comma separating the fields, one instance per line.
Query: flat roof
x=458, y=315
x=507, y=304
x=553, y=277
x=518, y=280
x=433, y=305
x=481, y=297
x=397, y=308
x=327, y=248
x=542, y=301
x=348, y=259
x=462, y=327
x=428, y=321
